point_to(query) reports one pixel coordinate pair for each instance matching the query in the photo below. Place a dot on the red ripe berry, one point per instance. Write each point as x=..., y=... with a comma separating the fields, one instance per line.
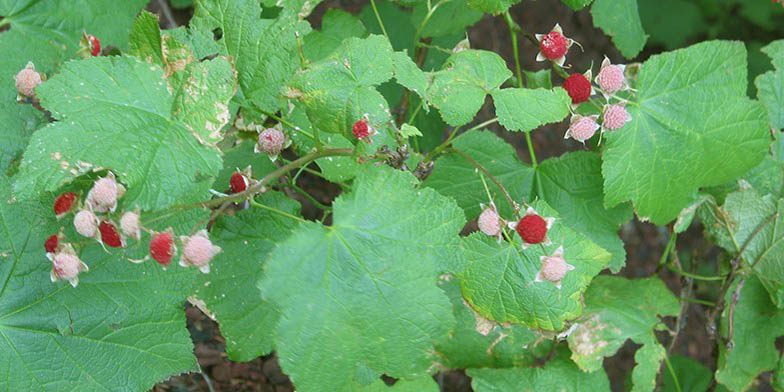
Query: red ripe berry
x=532, y=229
x=63, y=203
x=578, y=87
x=238, y=183
x=95, y=45
x=361, y=129
x=109, y=235
x=51, y=243
x=553, y=45
x=162, y=248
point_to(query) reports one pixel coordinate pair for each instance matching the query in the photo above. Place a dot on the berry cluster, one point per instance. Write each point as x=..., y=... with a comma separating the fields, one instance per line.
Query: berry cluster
x=93, y=219
x=532, y=229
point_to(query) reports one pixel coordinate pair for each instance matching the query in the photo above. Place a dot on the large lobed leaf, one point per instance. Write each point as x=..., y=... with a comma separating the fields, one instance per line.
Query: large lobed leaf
x=363, y=292
x=620, y=20
x=770, y=85
x=499, y=278
x=692, y=126
x=122, y=328
x=110, y=111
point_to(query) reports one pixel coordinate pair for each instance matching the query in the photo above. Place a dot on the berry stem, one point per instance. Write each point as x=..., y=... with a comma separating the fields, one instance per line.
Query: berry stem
x=697, y=301
x=315, y=202
x=492, y=178
x=378, y=18
x=443, y=146
x=256, y=204
x=513, y=34
x=531, y=152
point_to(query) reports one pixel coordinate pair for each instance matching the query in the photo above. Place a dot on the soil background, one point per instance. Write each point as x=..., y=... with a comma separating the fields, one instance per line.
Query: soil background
x=644, y=242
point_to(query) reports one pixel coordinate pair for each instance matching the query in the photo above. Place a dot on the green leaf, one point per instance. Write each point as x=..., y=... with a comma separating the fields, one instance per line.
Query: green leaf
x=230, y=290
x=459, y=90
x=499, y=280
x=422, y=384
x=47, y=34
x=336, y=26
x=448, y=17
x=109, y=108
x=492, y=6
x=617, y=309
x=577, y=4
x=671, y=23
x=620, y=20
x=407, y=131
x=478, y=342
x=339, y=90
x=522, y=109
x=538, y=79
x=121, y=318
x=408, y=75
x=572, y=185
x=559, y=374
x=753, y=223
x=456, y=177
x=363, y=291
x=770, y=85
x=264, y=50
x=692, y=126
x=692, y=376
x=778, y=377
x=756, y=324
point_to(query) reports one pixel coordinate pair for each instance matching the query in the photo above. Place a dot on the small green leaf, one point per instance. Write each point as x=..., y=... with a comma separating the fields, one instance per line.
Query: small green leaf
x=538, y=79
x=448, y=17
x=620, y=20
x=456, y=177
x=408, y=75
x=407, y=131
x=756, y=325
x=617, y=309
x=577, y=4
x=459, y=90
x=499, y=279
x=492, y=6
x=336, y=26
x=522, y=109
x=363, y=291
x=692, y=126
x=770, y=85
x=692, y=376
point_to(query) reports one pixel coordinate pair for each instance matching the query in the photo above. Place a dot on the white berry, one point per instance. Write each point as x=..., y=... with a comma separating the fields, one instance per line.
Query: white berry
x=130, y=226
x=198, y=250
x=490, y=222
x=104, y=194
x=86, y=223
x=27, y=80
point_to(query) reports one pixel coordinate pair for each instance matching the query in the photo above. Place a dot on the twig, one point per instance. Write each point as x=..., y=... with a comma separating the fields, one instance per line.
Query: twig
x=168, y=17
x=492, y=178
x=730, y=319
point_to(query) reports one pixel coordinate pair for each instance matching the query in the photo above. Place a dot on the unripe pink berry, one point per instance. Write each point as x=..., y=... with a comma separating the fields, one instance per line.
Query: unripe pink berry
x=271, y=141
x=27, y=80
x=86, y=223
x=198, y=250
x=104, y=194
x=582, y=127
x=554, y=267
x=610, y=78
x=490, y=222
x=130, y=225
x=66, y=265
x=615, y=117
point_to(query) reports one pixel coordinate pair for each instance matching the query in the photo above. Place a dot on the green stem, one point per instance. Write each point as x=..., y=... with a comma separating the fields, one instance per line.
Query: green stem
x=256, y=204
x=530, y=142
x=492, y=178
x=693, y=276
x=672, y=373
x=287, y=123
x=483, y=124
x=309, y=197
x=668, y=248
x=441, y=147
x=697, y=301
x=378, y=18
x=515, y=50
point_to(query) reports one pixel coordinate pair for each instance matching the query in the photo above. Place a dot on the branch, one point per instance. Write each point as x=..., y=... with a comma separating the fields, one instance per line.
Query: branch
x=515, y=207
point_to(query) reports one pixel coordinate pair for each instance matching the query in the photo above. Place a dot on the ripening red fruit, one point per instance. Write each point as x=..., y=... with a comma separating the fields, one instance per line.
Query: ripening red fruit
x=51, y=243
x=95, y=45
x=162, y=247
x=361, y=129
x=64, y=203
x=553, y=45
x=578, y=87
x=532, y=228
x=238, y=183
x=109, y=235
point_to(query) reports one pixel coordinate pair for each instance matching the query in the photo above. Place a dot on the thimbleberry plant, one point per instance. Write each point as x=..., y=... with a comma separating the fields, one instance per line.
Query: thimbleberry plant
x=356, y=196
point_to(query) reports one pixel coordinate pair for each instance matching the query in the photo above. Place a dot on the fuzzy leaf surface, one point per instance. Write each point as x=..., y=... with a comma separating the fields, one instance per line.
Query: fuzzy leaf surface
x=692, y=127
x=364, y=290
x=499, y=279
x=110, y=109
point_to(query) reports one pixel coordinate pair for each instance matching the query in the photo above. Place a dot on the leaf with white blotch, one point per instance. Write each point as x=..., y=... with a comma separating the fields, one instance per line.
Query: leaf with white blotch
x=620, y=19
x=201, y=90
x=756, y=326
x=364, y=290
x=336, y=26
x=340, y=89
x=754, y=223
x=460, y=88
x=47, y=34
x=477, y=342
x=229, y=291
x=264, y=50
x=692, y=126
x=110, y=110
x=499, y=279
x=770, y=85
x=122, y=317
x=572, y=184
x=456, y=177
x=617, y=309
x=525, y=109
x=492, y=6
x=558, y=374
